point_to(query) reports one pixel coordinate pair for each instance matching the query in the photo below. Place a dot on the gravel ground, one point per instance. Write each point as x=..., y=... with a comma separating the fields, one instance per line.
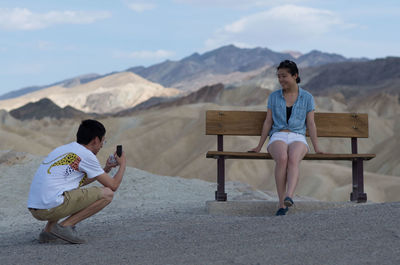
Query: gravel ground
x=358, y=235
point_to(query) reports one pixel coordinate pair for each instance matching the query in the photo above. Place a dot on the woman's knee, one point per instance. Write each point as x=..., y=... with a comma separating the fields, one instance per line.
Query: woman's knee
x=278, y=151
x=108, y=194
x=294, y=158
x=293, y=163
x=281, y=159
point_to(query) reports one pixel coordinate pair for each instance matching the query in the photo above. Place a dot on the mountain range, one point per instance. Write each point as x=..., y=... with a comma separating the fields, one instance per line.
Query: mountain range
x=347, y=82
x=224, y=61
x=222, y=65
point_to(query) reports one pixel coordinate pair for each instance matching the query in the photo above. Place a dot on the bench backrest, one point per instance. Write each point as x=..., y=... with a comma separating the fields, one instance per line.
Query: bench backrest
x=251, y=122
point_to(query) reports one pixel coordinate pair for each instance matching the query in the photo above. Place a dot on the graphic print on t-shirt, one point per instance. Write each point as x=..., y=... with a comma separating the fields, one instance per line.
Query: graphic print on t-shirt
x=70, y=159
x=83, y=180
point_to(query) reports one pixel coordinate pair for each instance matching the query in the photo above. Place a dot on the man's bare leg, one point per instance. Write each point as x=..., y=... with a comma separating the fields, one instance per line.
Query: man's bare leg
x=49, y=225
x=90, y=210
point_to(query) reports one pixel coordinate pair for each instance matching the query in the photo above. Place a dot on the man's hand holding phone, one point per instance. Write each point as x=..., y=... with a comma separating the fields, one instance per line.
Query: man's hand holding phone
x=120, y=156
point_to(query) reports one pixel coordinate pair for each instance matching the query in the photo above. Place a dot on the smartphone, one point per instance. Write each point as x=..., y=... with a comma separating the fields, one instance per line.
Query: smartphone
x=119, y=150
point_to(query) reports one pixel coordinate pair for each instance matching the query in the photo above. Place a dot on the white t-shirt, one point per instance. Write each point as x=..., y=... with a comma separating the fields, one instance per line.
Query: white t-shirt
x=60, y=171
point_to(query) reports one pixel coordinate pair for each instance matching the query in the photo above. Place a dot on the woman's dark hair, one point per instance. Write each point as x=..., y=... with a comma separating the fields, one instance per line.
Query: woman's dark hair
x=287, y=64
x=89, y=130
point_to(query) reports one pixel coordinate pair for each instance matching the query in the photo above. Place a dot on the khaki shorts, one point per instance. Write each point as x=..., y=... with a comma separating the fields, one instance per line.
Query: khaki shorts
x=74, y=201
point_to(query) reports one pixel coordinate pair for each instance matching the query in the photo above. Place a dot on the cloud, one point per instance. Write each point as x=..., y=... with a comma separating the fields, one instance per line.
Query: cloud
x=141, y=6
x=145, y=55
x=283, y=25
x=24, y=19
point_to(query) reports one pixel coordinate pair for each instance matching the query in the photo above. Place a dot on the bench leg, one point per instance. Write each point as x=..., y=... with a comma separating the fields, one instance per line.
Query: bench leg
x=358, y=181
x=220, y=194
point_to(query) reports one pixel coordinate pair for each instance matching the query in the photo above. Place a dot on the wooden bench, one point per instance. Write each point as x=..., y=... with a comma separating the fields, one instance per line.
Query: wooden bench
x=250, y=123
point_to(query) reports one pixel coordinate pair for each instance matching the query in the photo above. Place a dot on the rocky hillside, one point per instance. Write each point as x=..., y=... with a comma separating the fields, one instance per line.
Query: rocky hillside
x=71, y=82
x=104, y=95
x=217, y=94
x=357, y=79
x=46, y=108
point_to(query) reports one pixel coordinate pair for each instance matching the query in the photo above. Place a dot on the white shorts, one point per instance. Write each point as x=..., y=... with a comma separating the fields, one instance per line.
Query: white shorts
x=288, y=138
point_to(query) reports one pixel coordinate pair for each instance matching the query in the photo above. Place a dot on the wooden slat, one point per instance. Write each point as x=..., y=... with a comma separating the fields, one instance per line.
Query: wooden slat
x=250, y=123
x=341, y=124
x=234, y=122
x=246, y=155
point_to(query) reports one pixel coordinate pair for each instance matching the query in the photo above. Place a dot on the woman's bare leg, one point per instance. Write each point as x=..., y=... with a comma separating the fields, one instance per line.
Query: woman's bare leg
x=296, y=152
x=279, y=152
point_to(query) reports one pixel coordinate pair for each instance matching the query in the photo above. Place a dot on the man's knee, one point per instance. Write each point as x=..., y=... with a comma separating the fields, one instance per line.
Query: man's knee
x=108, y=194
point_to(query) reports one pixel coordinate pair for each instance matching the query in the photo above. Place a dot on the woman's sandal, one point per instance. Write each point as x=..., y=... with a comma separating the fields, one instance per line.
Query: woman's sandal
x=288, y=202
x=282, y=211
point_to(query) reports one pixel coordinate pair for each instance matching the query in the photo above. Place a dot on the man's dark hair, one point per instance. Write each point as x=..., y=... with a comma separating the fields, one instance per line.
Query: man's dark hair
x=292, y=67
x=89, y=130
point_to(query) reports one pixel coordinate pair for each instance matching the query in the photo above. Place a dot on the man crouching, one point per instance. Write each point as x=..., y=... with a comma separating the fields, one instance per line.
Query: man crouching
x=56, y=190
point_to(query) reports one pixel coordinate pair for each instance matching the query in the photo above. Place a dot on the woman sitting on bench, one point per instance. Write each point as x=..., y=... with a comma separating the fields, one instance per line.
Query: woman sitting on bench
x=290, y=112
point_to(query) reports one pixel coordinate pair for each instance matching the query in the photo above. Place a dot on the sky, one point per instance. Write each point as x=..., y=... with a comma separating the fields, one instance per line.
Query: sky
x=45, y=41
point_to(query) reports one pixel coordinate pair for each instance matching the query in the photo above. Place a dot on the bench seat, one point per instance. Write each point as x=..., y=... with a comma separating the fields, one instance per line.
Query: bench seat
x=247, y=155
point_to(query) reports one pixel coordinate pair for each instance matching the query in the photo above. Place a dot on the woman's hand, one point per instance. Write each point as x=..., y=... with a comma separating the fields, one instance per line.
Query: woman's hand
x=256, y=150
x=317, y=151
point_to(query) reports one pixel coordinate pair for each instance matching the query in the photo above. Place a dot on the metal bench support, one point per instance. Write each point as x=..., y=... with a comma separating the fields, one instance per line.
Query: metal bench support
x=358, y=176
x=220, y=194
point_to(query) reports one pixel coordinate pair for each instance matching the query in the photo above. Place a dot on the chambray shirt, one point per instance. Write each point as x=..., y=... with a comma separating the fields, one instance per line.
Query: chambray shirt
x=297, y=122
